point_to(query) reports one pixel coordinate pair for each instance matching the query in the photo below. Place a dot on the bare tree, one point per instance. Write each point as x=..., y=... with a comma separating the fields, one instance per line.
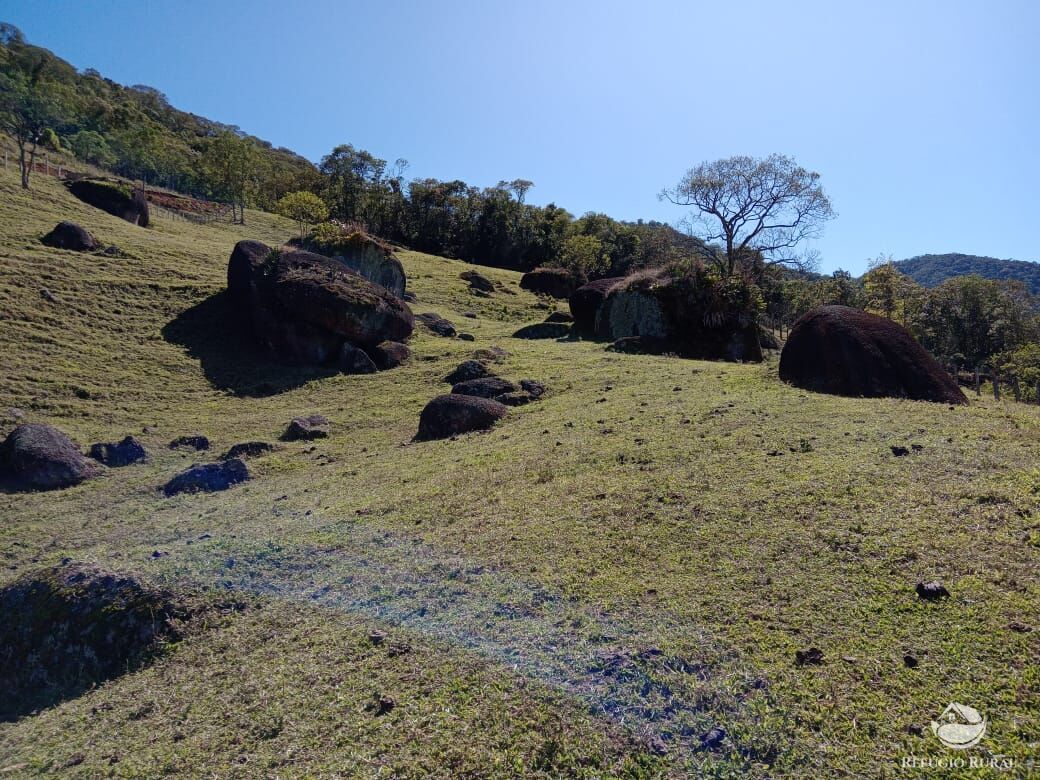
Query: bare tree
x=747, y=206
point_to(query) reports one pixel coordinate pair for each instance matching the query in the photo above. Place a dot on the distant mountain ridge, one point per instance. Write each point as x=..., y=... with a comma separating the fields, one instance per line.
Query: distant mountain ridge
x=932, y=270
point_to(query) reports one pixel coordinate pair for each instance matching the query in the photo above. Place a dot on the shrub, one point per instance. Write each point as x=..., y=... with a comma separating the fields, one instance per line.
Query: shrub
x=305, y=208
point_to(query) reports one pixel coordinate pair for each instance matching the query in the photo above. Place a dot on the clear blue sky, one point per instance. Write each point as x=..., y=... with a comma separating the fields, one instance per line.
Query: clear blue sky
x=921, y=117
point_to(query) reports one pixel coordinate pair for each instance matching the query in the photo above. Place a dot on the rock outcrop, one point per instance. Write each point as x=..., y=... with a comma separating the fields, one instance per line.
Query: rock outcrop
x=681, y=314
x=585, y=303
x=845, y=351
x=117, y=198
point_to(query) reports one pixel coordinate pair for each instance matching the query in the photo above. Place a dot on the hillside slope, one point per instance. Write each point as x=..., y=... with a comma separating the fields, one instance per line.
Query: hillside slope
x=585, y=590
x=933, y=270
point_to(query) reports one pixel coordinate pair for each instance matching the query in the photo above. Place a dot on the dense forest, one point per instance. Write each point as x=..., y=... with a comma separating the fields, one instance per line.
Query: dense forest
x=932, y=270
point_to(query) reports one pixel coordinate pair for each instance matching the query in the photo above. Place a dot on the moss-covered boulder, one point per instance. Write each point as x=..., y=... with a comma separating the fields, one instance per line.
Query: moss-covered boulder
x=845, y=351
x=307, y=308
x=117, y=198
x=687, y=311
x=71, y=627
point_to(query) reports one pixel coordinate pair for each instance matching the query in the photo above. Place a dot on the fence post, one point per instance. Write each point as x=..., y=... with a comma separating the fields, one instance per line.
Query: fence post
x=978, y=387
x=996, y=387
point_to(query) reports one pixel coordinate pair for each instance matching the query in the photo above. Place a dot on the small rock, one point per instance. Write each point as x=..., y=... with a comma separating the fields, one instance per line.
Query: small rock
x=713, y=738
x=477, y=281
x=898, y=451
x=559, y=316
x=196, y=442
x=518, y=398
x=1019, y=627
x=932, y=591
x=377, y=637
x=208, y=477
x=656, y=745
x=467, y=336
x=544, y=330
x=248, y=449
x=467, y=370
x=390, y=354
x=485, y=387
x=437, y=324
x=534, y=388
x=47, y=295
x=116, y=454
x=316, y=426
x=491, y=354
x=354, y=360
x=813, y=656
x=910, y=661
x=380, y=705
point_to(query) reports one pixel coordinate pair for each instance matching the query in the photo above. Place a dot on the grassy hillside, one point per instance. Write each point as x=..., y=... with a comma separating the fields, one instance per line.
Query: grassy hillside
x=933, y=270
x=586, y=590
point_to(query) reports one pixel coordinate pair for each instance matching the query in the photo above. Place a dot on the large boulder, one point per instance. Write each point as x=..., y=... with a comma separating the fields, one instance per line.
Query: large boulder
x=320, y=292
x=121, y=453
x=305, y=307
x=208, y=477
x=40, y=457
x=117, y=198
x=555, y=282
x=682, y=313
x=242, y=272
x=69, y=235
x=845, y=351
x=450, y=415
x=586, y=301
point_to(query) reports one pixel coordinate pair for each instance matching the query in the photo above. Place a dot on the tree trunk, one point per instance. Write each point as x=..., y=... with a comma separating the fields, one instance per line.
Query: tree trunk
x=22, y=165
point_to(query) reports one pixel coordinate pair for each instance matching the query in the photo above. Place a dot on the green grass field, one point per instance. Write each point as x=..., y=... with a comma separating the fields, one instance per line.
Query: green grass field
x=584, y=590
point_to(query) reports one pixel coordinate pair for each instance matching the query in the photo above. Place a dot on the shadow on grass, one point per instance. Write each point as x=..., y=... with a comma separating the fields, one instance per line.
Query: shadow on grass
x=229, y=357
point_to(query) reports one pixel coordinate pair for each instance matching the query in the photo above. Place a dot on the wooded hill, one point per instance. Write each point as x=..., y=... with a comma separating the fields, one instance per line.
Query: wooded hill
x=932, y=270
